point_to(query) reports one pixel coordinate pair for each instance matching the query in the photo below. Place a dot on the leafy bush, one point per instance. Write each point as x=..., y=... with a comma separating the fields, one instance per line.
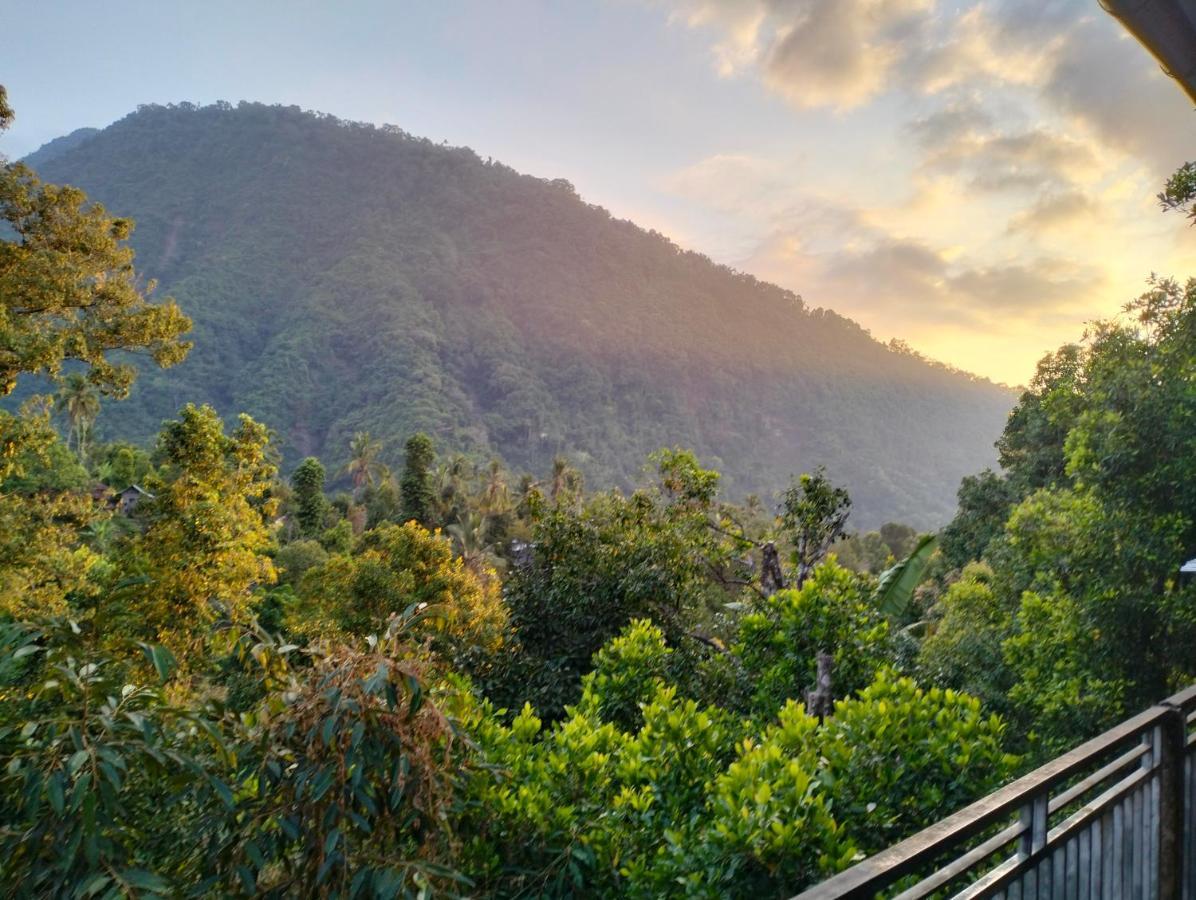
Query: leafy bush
x=779, y=641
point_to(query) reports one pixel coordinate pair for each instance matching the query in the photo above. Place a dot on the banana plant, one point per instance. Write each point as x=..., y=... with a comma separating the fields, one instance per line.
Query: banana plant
x=895, y=591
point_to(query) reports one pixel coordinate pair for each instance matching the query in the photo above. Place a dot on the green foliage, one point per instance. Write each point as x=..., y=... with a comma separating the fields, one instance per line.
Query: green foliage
x=205, y=536
x=627, y=673
x=985, y=501
x=1062, y=692
x=895, y=591
x=68, y=290
x=93, y=767
x=79, y=401
x=592, y=571
x=503, y=316
x=393, y=569
x=1180, y=190
x=345, y=785
x=780, y=640
x=964, y=648
x=338, y=538
x=416, y=482
x=900, y=758
x=122, y=465
x=310, y=504
x=296, y=558
x=6, y=113
x=363, y=465
x=43, y=559
x=341, y=778
x=1099, y=488
x=813, y=512
x=771, y=830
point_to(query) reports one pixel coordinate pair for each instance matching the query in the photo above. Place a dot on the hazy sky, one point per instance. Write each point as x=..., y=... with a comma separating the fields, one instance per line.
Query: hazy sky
x=977, y=178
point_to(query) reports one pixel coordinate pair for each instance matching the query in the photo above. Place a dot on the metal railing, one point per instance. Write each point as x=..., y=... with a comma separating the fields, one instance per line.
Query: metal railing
x=1113, y=819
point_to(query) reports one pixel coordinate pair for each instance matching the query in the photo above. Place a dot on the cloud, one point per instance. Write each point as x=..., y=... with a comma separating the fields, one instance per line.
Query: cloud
x=842, y=52
x=996, y=192
x=1027, y=290
x=1015, y=46
x=1054, y=212
x=734, y=183
x=838, y=53
x=909, y=281
x=1105, y=79
x=961, y=138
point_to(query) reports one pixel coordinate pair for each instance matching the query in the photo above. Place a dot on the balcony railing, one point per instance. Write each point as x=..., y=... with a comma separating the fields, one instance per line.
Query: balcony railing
x=1114, y=819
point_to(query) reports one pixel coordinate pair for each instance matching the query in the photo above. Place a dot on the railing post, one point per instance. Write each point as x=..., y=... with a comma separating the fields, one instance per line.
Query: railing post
x=1034, y=820
x=1172, y=736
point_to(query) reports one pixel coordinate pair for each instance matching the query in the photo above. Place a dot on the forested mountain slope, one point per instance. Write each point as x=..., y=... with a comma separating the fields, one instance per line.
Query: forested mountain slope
x=344, y=277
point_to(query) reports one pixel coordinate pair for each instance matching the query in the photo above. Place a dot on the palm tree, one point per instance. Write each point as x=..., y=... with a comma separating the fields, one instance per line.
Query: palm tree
x=566, y=480
x=450, y=484
x=79, y=401
x=363, y=460
x=496, y=496
x=471, y=541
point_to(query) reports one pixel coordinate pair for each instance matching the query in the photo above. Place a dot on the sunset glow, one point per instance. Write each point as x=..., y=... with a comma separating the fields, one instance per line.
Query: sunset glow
x=975, y=178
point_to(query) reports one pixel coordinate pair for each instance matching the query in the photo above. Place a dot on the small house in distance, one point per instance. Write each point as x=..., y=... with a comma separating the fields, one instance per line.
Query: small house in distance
x=123, y=502
x=128, y=500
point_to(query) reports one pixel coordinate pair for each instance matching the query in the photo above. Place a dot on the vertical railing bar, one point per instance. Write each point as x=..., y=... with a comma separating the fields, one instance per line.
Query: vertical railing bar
x=1167, y=827
x=1059, y=872
x=1071, y=869
x=1107, y=871
x=1119, y=849
x=1084, y=862
x=1139, y=828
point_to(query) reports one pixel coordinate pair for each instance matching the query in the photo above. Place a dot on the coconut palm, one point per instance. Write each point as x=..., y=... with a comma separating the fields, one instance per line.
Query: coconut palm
x=363, y=460
x=79, y=401
x=566, y=479
x=496, y=496
x=450, y=487
x=471, y=540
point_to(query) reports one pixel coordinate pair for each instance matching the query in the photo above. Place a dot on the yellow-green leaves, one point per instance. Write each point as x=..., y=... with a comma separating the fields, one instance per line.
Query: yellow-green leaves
x=68, y=289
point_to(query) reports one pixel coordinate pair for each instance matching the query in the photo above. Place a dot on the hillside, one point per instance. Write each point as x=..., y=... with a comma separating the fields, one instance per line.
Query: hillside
x=344, y=277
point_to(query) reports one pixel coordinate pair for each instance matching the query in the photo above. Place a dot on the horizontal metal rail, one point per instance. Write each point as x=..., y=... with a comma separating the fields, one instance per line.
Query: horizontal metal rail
x=1126, y=809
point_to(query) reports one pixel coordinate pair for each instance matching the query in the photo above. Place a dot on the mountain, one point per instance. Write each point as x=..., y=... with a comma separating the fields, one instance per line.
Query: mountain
x=57, y=147
x=347, y=277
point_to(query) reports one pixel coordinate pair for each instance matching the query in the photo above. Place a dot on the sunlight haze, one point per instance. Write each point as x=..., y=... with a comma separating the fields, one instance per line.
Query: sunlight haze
x=977, y=179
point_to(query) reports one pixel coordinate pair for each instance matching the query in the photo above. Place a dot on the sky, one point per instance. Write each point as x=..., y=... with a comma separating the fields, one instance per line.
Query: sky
x=977, y=179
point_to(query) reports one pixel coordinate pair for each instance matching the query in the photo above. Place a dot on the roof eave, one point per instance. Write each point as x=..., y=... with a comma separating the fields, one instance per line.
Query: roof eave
x=1166, y=30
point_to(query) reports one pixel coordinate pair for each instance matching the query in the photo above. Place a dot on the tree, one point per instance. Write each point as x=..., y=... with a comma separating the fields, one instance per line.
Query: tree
x=395, y=568
x=415, y=484
x=6, y=114
x=68, y=289
x=79, y=401
x=206, y=536
x=311, y=506
x=963, y=649
x=44, y=564
x=1031, y=446
x=1180, y=191
x=814, y=512
x=779, y=641
x=985, y=501
x=363, y=460
x=566, y=481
